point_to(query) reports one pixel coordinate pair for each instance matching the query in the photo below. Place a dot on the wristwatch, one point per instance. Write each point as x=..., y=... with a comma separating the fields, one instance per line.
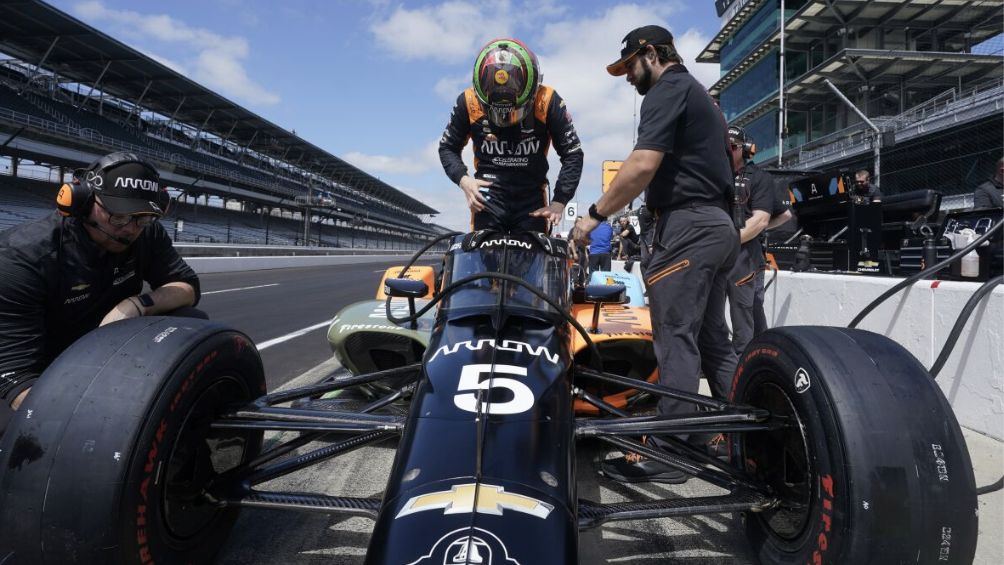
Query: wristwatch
x=596, y=215
x=146, y=300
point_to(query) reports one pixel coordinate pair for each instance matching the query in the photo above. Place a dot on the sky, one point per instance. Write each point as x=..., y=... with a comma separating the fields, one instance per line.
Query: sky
x=373, y=82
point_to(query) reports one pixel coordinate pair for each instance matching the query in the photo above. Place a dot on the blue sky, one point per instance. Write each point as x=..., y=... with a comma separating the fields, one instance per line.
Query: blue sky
x=373, y=82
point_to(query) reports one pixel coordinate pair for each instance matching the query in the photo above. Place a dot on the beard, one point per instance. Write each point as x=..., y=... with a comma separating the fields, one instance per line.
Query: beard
x=644, y=82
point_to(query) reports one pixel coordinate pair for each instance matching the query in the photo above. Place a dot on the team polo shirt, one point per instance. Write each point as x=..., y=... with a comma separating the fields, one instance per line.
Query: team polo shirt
x=680, y=119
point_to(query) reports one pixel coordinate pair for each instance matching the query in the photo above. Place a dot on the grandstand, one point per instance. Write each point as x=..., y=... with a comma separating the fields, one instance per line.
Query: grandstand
x=69, y=93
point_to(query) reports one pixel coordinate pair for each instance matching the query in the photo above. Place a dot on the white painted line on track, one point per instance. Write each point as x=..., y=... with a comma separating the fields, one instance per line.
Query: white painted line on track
x=241, y=288
x=293, y=335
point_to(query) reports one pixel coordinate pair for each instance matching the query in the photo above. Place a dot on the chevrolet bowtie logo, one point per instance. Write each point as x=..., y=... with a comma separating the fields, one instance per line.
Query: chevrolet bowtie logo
x=491, y=499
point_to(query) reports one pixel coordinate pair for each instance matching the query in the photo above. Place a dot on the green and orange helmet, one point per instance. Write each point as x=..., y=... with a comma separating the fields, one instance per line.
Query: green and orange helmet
x=506, y=77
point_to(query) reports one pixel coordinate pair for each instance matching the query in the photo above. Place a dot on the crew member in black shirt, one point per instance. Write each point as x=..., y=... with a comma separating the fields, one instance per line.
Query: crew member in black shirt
x=755, y=191
x=628, y=238
x=864, y=190
x=511, y=119
x=84, y=267
x=780, y=215
x=682, y=158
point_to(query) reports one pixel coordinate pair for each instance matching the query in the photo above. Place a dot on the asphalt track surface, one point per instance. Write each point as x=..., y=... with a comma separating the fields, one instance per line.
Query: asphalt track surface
x=286, y=313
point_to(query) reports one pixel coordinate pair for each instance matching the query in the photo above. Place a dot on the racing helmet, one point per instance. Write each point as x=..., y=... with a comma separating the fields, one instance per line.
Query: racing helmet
x=506, y=77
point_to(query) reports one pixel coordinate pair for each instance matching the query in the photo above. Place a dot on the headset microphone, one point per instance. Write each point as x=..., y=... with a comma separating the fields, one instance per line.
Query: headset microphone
x=121, y=240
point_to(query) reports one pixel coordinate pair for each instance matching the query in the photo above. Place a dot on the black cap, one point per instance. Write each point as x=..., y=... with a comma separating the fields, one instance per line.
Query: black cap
x=126, y=184
x=635, y=42
x=738, y=134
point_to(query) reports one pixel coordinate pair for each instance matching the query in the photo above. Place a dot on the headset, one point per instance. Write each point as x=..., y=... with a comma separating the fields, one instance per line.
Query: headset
x=739, y=135
x=75, y=199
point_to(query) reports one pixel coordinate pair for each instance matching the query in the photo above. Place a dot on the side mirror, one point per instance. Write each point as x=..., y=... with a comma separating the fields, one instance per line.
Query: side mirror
x=606, y=293
x=405, y=288
x=601, y=294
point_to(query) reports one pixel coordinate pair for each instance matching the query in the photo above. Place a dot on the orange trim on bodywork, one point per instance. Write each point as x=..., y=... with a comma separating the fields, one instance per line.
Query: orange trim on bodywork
x=667, y=271
x=424, y=273
x=617, y=322
x=771, y=262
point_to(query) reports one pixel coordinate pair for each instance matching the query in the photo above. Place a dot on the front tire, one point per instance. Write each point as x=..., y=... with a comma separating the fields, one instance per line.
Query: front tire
x=873, y=467
x=107, y=459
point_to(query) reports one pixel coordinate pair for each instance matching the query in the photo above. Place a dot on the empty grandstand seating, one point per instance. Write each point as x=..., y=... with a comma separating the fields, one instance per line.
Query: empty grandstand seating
x=11, y=100
x=22, y=200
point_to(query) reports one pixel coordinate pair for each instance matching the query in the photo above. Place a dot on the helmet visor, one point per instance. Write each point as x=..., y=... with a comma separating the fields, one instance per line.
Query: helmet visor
x=505, y=115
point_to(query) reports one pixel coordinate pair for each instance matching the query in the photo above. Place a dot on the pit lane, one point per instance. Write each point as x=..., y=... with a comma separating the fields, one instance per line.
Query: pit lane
x=276, y=308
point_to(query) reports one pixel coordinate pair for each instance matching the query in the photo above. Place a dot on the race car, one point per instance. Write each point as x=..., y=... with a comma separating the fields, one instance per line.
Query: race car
x=143, y=441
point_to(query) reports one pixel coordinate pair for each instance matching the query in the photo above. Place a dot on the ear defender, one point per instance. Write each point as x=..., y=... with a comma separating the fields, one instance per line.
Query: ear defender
x=165, y=201
x=74, y=200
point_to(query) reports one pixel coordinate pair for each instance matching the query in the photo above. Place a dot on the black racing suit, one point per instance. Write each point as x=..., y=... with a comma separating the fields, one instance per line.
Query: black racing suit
x=514, y=159
x=56, y=284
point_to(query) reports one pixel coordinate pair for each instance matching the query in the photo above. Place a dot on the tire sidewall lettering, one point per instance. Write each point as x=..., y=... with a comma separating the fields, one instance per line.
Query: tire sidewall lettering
x=826, y=518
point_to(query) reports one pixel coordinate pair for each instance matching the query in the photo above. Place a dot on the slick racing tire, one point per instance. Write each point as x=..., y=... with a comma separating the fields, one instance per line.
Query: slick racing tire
x=873, y=468
x=107, y=459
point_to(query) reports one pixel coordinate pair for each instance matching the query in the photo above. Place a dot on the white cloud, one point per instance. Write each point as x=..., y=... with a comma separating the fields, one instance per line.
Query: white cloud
x=169, y=63
x=690, y=45
x=448, y=88
x=415, y=163
x=448, y=33
x=447, y=199
x=215, y=60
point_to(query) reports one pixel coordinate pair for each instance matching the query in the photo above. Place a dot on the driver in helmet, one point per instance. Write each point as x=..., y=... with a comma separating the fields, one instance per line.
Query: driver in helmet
x=512, y=120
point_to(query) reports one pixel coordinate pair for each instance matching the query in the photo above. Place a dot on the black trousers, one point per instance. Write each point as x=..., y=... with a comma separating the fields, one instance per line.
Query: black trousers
x=599, y=262
x=693, y=251
x=759, y=316
x=742, y=288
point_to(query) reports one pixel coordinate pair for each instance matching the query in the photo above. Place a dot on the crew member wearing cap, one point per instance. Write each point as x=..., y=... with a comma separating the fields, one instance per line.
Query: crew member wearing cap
x=681, y=161
x=755, y=191
x=84, y=267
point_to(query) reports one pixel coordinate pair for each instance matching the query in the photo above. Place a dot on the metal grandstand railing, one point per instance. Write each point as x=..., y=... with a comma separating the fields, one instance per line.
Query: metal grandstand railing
x=950, y=107
x=353, y=200
x=92, y=136
x=951, y=100
x=96, y=138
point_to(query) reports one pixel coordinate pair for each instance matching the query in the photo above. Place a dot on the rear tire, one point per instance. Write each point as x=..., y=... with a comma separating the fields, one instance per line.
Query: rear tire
x=875, y=469
x=107, y=459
